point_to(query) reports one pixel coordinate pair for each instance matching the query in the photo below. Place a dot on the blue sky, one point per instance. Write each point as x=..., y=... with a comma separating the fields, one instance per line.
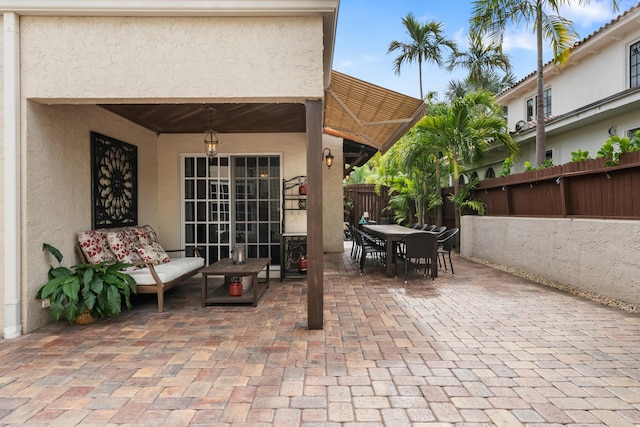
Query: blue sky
x=366, y=27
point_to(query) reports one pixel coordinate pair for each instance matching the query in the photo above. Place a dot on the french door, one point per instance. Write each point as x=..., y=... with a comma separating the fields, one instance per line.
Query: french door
x=229, y=200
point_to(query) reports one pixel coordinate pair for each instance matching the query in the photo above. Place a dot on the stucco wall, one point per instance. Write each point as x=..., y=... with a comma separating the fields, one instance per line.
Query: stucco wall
x=209, y=57
x=2, y=142
x=592, y=255
x=332, y=197
x=57, y=186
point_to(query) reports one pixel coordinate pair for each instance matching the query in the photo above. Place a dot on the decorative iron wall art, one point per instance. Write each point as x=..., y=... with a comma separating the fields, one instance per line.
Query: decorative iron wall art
x=114, y=186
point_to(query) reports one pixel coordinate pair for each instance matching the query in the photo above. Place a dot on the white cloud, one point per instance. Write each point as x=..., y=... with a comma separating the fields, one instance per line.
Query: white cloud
x=596, y=12
x=460, y=37
x=521, y=38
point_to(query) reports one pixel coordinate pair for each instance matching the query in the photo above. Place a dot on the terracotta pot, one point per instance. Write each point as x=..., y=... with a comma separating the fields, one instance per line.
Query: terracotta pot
x=302, y=190
x=235, y=288
x=302, y=264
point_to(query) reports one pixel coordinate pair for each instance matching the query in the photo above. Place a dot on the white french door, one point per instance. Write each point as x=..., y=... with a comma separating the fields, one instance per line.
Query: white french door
x=232, y=199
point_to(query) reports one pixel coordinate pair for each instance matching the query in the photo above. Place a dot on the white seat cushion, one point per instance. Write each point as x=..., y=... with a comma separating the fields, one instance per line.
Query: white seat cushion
x=167, y=272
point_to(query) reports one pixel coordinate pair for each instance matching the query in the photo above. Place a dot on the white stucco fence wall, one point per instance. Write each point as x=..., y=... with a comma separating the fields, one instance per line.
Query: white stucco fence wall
x=591, y=255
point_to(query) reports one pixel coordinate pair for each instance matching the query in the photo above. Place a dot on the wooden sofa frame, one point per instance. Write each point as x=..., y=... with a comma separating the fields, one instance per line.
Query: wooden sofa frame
x=160, y=287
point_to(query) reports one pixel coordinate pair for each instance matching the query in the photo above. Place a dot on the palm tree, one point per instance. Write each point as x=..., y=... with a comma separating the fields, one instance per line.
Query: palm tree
x=409, y=177
x=480, y=60
x=465, y=130
x=493, y=16
x=491, y=82
x=427, y=42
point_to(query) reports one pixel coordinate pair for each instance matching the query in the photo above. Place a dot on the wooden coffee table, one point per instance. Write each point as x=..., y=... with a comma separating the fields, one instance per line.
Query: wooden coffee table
x=226, y=267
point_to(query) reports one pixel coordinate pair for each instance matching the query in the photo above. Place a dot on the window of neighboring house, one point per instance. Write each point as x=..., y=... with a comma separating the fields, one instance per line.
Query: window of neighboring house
x=530, y=109
x=490, y=173
x=632, y=133
x=546, y=102
x=474, y=175
x=634, y=65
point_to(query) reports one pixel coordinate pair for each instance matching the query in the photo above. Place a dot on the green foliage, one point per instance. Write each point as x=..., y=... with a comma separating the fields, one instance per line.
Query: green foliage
x=546, y=164
x=614, y=146
x=100, y=288
x=463, y=200
x=506, y=167
x=579, y=156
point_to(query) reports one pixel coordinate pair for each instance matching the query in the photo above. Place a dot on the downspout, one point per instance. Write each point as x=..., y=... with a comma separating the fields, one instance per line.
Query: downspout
x=11, y=204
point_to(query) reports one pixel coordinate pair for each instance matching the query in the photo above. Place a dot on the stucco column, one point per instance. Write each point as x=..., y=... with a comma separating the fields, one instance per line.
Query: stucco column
x=11, y=202
x=315, y=268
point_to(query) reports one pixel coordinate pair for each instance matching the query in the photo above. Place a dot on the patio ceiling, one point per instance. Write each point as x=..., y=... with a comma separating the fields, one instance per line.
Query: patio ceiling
x=362, y=113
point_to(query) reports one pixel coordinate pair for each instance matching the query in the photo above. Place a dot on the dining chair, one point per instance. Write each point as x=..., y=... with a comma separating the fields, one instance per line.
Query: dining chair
x=440, y=230
x=445, y=246
x=415, y=248
x=354, y=243
x=367, y=248
x=427, y=227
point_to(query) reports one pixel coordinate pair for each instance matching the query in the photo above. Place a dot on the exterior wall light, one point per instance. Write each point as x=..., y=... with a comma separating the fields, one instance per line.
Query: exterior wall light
x=328, y=157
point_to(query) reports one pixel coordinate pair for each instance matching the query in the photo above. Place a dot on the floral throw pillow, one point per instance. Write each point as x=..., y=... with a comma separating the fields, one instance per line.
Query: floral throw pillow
x=95, y=247
x=145, y=234
x=153, y=253
x=123, y=245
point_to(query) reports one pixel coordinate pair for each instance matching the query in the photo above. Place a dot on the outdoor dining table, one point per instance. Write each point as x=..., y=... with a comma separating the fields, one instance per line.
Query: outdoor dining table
x=392, y=234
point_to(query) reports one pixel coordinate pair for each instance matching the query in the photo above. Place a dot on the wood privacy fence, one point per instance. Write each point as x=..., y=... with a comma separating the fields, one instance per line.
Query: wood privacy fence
x=587, y=189
x=365, y=199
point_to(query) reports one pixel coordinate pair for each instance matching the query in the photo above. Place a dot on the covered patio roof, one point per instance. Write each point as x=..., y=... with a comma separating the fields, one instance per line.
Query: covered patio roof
x=369, y=114
x=362, y=113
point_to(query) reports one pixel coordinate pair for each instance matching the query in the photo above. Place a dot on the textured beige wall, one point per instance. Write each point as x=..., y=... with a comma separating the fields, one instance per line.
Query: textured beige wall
x=332, y=203
x=591, y=255
x=57, y=186
x=199, y=58
x=2, y=142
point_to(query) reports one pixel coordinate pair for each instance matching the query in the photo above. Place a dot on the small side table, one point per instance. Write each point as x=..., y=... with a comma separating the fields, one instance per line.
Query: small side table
x=226, y=267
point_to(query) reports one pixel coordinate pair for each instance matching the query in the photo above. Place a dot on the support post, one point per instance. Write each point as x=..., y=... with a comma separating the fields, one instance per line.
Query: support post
x=12, y=220
x=315, y=268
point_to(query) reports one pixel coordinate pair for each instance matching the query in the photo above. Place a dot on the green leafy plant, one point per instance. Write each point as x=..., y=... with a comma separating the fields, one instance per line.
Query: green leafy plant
x=463, y=199
x=547, y=164
x=614, y=146
x=99, y=288
x=506, y=167
x=579, y=156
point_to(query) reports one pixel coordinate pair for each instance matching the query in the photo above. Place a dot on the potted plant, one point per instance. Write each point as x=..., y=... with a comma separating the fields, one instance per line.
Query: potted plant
x=99, y=289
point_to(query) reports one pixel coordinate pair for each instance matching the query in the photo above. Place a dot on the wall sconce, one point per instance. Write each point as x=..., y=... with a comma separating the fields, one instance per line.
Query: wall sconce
x=347, y=177
x=328, y=158
x=211, y=137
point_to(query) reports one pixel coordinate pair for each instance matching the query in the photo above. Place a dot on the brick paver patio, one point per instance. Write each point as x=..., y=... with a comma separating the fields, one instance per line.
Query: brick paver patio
x=483, y=348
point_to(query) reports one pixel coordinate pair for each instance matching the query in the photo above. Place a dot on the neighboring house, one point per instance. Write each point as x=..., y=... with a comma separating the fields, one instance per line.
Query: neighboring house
x=596, y=94
x=144, y=73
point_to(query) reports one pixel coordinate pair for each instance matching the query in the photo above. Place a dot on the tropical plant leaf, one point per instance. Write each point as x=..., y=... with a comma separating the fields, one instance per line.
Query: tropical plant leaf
x=53, y=251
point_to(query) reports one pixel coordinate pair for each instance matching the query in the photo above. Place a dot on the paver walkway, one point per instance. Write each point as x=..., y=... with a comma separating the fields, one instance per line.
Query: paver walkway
x=483, y=348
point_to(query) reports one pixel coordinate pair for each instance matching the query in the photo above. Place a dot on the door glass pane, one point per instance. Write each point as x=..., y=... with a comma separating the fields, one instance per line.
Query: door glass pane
x=216, y=217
